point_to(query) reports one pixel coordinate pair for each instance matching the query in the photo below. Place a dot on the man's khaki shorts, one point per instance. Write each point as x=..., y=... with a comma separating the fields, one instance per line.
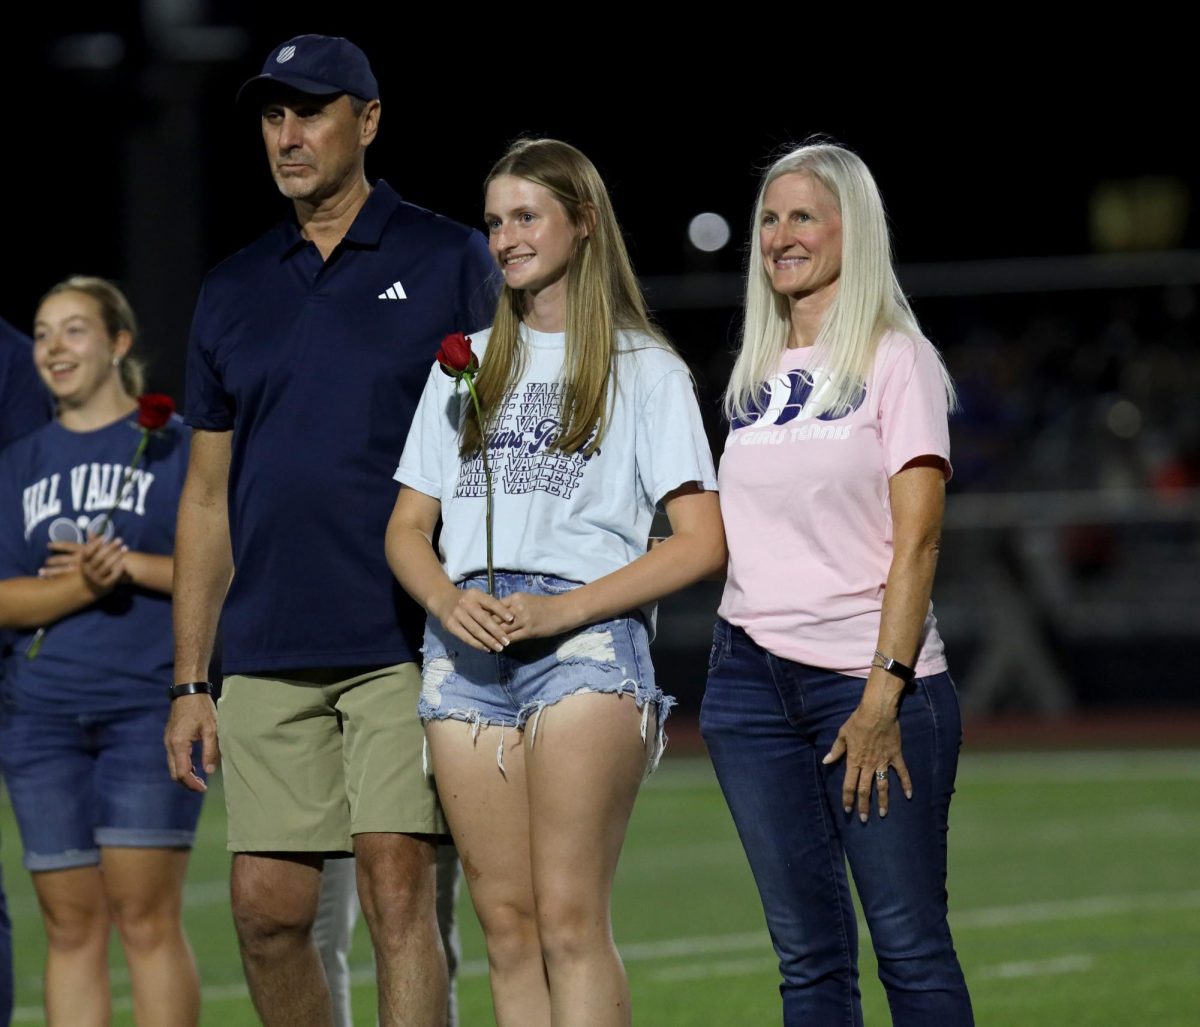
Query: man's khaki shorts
x=311, y=758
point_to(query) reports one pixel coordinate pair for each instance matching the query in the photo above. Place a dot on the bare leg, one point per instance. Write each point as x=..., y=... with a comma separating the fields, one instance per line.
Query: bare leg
x=75, y=913
x=489, y=816
x=584, y=773
x=337, y=913
x=333, y=932
x=145, y=893
x=397, y=883
x=274, y=905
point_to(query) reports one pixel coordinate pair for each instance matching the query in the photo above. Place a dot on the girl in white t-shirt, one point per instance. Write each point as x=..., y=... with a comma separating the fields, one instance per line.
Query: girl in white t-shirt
x=827, y=679
x=541, y=711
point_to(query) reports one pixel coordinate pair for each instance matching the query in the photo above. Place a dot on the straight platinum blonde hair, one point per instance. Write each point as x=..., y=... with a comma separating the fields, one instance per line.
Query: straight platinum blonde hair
x=869, y=301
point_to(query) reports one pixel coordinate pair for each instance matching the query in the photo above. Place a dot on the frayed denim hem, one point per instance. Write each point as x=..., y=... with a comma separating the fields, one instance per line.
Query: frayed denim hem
x=530, y=713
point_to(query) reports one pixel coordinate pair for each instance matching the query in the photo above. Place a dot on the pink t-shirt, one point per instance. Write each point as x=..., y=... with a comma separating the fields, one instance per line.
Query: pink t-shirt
x=807, y=514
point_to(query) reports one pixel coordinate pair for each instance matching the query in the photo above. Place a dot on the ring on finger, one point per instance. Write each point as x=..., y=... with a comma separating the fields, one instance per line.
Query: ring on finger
x=881, y=775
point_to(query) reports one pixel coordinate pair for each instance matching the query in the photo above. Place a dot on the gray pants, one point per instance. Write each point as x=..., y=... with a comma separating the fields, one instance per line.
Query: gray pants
x=337, y=912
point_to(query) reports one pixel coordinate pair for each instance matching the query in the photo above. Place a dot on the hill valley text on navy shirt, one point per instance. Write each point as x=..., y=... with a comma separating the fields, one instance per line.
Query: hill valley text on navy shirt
x=317, y=368
x=114, y=654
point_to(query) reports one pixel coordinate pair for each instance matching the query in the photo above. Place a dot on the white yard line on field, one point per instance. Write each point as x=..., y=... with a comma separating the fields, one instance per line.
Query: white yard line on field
x=1059, y=829
x=719, y=968
x=766, y=964
x=713, y=944
x=1075, y=909
x=666, y=948
x=1034, y=968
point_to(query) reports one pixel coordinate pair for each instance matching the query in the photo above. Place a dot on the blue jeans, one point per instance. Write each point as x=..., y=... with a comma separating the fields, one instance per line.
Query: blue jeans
x=767, y=723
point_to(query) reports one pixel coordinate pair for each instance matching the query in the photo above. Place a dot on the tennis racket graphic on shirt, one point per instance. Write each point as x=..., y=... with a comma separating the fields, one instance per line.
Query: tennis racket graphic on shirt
x=64, y=529
x=796, y=395
x=67, y=529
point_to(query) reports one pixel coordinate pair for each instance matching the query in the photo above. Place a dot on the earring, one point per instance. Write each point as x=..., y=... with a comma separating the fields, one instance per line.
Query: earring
x=116, y=361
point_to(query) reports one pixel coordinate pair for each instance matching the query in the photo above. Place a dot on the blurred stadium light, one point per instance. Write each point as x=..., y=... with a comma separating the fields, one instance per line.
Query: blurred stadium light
x=964, y=278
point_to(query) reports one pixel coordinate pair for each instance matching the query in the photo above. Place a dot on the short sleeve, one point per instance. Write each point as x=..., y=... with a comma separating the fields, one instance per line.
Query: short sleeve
x=478, y=286
x=24, y=402
x=207, y=404
x=177, y=447
x=913, y=408
x=671, y=447
x=14, y=552
x=433, y=431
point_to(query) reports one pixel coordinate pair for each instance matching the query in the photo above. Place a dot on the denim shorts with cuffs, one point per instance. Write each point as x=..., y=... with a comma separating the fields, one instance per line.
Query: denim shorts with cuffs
x=83, y=782
x=512, y=688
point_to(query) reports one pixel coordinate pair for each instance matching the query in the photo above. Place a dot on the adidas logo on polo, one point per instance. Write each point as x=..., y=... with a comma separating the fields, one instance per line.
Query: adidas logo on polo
x=395, y=291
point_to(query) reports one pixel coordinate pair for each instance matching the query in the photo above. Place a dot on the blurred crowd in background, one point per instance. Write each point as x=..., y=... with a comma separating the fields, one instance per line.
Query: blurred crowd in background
x=1060, y=285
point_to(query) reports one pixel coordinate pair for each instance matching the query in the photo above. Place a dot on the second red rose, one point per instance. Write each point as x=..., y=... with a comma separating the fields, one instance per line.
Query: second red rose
x=154, y=410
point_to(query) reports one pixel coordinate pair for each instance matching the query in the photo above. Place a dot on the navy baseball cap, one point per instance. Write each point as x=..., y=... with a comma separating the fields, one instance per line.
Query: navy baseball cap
x=320, y=65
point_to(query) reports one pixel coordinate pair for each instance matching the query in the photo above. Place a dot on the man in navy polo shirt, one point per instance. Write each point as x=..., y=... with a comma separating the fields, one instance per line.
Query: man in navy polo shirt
x=308, y=354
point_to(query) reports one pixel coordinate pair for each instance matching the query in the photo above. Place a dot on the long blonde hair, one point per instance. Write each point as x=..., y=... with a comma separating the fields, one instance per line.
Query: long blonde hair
x=117, y=315
x=869, y=300
x=603, y=296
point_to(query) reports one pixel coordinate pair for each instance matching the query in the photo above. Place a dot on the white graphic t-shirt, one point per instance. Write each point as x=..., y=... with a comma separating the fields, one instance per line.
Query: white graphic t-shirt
x=807, y=511
x=568, y=514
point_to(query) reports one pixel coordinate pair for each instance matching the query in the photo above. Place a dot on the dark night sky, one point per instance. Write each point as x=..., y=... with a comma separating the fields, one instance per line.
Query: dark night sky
x=985, y=156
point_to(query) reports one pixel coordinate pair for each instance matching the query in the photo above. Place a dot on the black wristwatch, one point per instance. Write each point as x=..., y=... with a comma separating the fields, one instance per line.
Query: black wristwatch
x=895, y=667
x=191, y=688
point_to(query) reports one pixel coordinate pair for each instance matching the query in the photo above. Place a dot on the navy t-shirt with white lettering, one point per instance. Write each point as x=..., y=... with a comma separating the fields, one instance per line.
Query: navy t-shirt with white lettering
x=115, y=654
x=316, y=367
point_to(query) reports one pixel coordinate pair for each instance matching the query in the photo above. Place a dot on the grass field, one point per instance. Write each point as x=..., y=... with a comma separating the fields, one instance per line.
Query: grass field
x=1074, y=889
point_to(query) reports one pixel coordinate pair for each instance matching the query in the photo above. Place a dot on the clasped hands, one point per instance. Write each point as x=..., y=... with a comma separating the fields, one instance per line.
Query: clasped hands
x=489, y=624
x=100, y=562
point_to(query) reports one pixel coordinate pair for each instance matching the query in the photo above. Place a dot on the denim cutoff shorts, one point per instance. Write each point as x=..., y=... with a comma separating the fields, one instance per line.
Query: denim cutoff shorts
x=513, y=687
x=82, y=782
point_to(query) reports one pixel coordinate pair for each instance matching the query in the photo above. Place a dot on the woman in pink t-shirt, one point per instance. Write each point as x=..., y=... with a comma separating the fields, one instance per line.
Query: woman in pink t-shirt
x=827, y=679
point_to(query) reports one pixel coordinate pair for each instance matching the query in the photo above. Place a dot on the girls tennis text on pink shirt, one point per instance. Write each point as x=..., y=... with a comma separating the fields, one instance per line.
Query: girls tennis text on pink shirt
x=807, y=513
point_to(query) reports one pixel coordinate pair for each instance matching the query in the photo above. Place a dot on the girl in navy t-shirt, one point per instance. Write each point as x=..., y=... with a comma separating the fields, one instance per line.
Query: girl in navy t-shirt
x=86, y=554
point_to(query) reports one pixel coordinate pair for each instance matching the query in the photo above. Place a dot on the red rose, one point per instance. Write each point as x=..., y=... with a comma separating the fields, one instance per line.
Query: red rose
x=455, y=356
x=154, y=410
